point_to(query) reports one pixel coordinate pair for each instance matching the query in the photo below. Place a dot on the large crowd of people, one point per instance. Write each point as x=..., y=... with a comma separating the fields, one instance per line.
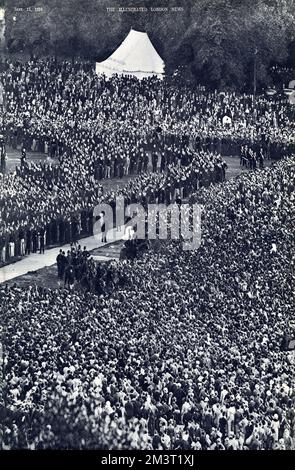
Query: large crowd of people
x=171, y=349
x=57, y=107
x=98, y=128
x=189, y=353
x=100, y=140
x=42, y=205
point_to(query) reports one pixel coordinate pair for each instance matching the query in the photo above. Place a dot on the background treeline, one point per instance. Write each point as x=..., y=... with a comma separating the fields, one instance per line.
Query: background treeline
x=215, y=42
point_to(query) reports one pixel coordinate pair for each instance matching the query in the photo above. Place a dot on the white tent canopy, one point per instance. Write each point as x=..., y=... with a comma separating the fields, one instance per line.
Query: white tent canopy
x=292, y=98
x=135, y=56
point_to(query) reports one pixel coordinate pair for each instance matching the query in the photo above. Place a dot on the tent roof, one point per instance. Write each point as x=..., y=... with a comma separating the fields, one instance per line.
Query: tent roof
x=135, y=56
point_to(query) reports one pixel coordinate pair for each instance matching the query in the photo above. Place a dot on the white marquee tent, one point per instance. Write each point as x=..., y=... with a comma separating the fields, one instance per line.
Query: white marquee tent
x=135, y=56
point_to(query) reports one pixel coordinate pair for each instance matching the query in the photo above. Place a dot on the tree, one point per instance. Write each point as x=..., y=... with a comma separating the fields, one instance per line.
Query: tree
x=24, y=24
x=217, y=42
x=226, y=35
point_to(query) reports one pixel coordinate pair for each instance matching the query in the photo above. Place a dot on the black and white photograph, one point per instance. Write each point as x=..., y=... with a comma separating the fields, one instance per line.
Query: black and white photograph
x=147, y=229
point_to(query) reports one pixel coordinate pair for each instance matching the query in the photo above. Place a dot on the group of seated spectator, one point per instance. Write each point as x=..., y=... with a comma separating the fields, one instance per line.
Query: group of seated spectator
x=186, y=354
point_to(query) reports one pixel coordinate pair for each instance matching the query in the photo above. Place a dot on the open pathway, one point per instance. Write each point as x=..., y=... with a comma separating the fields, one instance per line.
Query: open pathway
x=101, y=251
x=36, y=261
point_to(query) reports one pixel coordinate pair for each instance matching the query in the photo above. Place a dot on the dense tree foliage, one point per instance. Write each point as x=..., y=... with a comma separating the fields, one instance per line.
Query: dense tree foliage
x=215, y=41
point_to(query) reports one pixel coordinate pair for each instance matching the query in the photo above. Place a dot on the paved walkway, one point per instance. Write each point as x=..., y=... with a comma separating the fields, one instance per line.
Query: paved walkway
x=36, y=261
x=13, y=159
